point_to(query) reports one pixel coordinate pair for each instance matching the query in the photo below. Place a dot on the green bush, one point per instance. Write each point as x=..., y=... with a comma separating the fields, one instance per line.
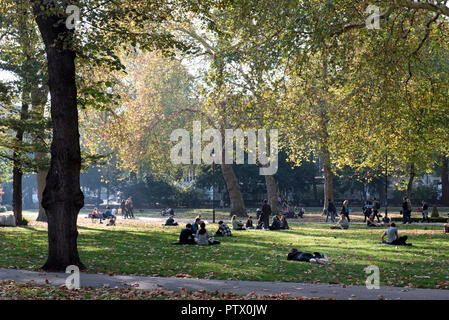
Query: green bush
x=435, y=213
x=3, y=209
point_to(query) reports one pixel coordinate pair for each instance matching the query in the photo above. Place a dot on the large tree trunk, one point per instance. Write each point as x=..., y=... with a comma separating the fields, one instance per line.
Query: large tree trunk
x=17, y=190
x=62, y=197
x=235, y=195
x=444, y=181
x=272, y=194
x=17, y=172
x=410, y=181
x=328, y=178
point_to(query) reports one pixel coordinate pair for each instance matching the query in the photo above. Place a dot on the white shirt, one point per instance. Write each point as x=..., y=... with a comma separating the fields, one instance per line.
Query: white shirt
x=391, y=234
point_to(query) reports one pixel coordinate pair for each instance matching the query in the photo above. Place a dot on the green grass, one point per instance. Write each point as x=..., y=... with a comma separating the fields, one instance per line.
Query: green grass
x=146, y=249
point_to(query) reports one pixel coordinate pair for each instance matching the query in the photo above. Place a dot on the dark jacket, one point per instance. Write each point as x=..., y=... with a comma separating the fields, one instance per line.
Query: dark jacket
x=276, y=224
x=266, y=210
x=186, y=236
x=249, y=223
x=170, y=222
x=405, y=207
x=284, y=224
x=331, y=207
x=300, y=256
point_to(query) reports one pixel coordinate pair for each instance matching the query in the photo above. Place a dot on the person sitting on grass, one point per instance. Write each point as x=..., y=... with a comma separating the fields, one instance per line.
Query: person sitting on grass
x=203, y=237
x=196, y=225
x=223, y=230
x=171, y=221
x=249, y=223
x=111, y=221
x=186, y=235
x=393, y=237
x=95, y=214
x=284, y=223
x=275, y=224
x=296, y=255
x=446, y=227
x=342, y=223
x=371, y=222
x=236, y=224
x=386, y=220
x=259, y=224
x=106, y=215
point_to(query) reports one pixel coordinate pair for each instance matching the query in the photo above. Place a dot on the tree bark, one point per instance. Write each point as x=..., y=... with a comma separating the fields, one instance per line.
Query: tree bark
x=235, y=195
x=17, y=190
x=410, y=180
x=17, y=172
x=328, y=178
x=272, y=194
x=444, y=180
x=62, y=197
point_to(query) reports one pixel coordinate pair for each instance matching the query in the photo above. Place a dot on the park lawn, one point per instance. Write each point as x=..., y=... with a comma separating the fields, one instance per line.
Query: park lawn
x=144, y=248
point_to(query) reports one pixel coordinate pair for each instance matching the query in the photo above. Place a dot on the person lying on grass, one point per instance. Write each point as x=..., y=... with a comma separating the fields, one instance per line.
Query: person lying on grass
x=284, y=223
x=171, y=221
x=203, y=237
x=393, y=237
x=371, y=222
x=342, y=223
x=236, y=224
x=186, y=236
x=223, y=230
x=316, y=257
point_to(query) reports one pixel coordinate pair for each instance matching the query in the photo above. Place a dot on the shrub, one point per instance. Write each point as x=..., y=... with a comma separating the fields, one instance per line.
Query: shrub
x=3, y=209
x=435, y=213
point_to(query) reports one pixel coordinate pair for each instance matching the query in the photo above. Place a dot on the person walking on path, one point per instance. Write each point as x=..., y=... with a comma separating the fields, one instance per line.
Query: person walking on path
x=345, y=210
x=331, y=210
x=124, y=210
x=130, y=207
x=376, y=208
x=406, y=211
x=425, y=211
x=266, y=211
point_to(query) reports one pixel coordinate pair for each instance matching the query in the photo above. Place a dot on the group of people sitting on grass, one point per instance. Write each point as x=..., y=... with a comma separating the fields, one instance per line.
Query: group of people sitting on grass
x=108, y=214
x=197, y=233
x=278, y=223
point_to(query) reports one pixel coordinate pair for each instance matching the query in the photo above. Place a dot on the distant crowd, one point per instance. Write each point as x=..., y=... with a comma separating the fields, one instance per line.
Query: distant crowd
x=197, y=233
